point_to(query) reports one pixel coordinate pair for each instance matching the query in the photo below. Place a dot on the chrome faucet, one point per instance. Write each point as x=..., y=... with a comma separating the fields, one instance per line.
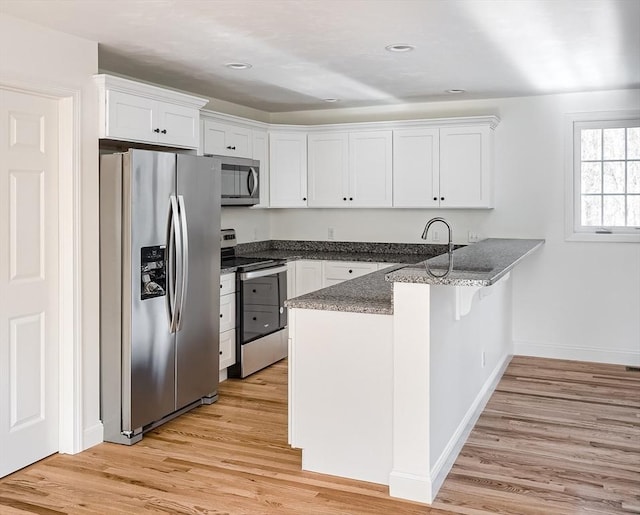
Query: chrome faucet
x=449, y=246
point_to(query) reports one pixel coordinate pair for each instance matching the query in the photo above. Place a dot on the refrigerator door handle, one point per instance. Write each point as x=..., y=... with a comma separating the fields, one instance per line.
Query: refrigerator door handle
x=185, y=258
x=175, y=263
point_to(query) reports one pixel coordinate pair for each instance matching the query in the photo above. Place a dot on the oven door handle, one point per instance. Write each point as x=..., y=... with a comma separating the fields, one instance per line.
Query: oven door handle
x=245, y=276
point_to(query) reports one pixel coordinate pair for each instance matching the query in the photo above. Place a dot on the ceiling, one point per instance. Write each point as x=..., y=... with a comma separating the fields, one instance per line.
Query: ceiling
x=304, y=51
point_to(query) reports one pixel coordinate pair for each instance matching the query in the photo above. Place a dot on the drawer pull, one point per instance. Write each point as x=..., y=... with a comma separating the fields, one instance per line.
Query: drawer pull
x=220, y=315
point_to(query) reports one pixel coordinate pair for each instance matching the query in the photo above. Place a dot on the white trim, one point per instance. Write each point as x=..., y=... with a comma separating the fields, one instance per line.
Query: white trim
x=558, y=351
x=445, y=461
x=572, y=191
x=70, y=285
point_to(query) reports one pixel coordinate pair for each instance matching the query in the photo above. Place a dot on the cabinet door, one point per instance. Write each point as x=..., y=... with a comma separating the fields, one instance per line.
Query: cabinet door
x=328, y=172
x=261, y=153
x=338, y=271
x=227, y=312
x=223, y=139
x=131, y=117
x=416, y=168
x=227, y=349
x=465, y=167
x=308, y=276
x=288, y=169
x=370, y=168
x=179, y=125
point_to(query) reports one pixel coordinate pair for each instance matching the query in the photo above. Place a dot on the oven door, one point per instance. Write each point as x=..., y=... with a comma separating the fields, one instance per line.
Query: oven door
x=261, y=303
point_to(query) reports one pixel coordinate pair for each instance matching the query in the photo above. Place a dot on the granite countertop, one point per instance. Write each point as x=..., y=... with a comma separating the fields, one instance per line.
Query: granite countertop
x=480, y=264
x=289, y=250
x=369, y=293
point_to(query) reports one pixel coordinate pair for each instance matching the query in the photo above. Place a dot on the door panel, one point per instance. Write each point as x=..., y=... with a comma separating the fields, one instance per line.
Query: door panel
x=28, y=279
x=149, y=179
x=198, y=337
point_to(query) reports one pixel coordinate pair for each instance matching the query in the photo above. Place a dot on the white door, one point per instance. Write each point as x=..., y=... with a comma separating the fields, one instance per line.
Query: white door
x=416, y=168
x=328, y=169
x=28, y=279
x=288, y=169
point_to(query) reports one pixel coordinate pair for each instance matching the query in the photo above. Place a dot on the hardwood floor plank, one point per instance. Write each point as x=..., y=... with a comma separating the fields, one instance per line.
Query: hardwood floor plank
x=557, y=437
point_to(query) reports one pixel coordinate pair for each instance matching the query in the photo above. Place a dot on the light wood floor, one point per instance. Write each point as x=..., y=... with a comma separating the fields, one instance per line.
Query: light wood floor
x=557, y=437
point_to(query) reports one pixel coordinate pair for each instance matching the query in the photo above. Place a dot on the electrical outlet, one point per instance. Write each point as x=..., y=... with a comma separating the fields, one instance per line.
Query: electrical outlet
x=436, y=236
x=473, y=237
x=330, y=233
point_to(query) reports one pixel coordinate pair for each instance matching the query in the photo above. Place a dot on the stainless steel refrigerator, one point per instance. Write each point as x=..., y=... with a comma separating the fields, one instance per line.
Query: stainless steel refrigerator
x=159, y=282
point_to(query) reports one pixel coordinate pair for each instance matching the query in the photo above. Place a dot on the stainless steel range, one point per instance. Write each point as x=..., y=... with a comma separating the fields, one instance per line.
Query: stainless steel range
x=261, y=324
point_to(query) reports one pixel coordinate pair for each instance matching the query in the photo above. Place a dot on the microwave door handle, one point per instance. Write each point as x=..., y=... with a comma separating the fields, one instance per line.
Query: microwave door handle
x=252, y=181
x=185, y=259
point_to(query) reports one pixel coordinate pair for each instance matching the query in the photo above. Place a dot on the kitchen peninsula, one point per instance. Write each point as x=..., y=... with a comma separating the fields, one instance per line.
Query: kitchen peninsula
x=389, y=371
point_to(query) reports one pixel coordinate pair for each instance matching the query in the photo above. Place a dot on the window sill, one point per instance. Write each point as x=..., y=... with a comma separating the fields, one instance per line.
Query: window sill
x=604, y=238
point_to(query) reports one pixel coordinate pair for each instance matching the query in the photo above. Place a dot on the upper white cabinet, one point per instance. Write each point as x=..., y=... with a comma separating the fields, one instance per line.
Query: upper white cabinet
x=447, y=167
x=370, y=168
x=288, y=169
x=137, y=112
x=351, y=169
x=226, y=139
x=465, y=167
x=328, y=172
x=416, y=167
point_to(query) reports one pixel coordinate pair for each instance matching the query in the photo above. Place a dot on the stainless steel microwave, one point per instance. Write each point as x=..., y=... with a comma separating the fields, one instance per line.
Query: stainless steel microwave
x=240, y=181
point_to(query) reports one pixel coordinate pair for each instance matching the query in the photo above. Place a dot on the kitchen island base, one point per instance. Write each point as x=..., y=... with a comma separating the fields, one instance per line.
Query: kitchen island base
x=391, y=398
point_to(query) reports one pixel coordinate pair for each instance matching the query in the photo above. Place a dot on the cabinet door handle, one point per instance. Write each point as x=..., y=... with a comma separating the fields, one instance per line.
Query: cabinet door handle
x=220, y=353
x=435, y=198
x=156, y=130
x=350, y=271
x=441, y=198
x=350, y=198
x=344, y=198
x=304, y=198
x=229, y=147
x=163, y=131
x=220, y=315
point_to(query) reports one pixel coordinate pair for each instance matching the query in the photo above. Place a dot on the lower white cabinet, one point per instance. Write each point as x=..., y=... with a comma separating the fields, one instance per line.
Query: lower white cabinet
x=227, y=320
x=312, y=275
x=338, y=271
x=308, y=276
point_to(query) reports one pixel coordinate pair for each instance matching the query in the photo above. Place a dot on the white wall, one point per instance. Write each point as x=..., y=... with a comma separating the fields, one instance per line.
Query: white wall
x=573, y=300
x=42, y=58
x=250, y=224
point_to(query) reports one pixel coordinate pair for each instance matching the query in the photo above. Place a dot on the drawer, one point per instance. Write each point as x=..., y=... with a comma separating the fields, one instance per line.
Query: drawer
x=227, y=349
x=227, y=312
x=342, y=271
x=227, y=283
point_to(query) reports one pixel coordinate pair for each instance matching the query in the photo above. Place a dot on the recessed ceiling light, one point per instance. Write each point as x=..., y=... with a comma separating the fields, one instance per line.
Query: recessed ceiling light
x=399, y=47
x=455, y=91
x=331, y=99
x=238, y=66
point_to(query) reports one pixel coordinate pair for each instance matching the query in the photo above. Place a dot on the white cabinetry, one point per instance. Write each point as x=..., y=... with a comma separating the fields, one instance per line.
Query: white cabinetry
x=288, y=169
x=226, y=139
x=370, y=168
x=350, y=169
x=448, y=167
x=338, y=271
x=132, y=111
x=227, y=320
x=308, y=276
x=416, y=167
x=465, y=167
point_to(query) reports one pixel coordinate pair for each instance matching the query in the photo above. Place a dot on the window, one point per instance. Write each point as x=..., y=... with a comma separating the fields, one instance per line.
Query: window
x=605, y=177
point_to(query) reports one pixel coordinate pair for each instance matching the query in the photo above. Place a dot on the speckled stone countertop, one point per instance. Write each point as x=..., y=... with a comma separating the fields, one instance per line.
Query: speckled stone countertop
x=480, y=264
x=369, y=293
x=408, y=253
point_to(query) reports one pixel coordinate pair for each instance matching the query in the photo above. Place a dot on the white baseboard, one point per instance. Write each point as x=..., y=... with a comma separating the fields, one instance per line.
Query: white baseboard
x=411, y=487
x=557, y=351
x=443, y=465
x=223, y=375
x=92, y=436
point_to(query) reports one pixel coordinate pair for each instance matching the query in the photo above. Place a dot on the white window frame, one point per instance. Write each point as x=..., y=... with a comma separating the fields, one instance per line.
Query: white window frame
x=574, y=231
